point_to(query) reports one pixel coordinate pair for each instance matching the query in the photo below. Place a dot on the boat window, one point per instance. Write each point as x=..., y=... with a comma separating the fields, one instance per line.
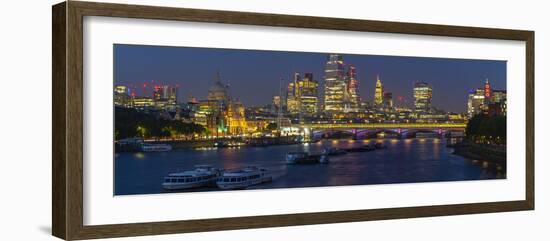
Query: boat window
x=233, y=179
x=181, y=180
x=166, y=179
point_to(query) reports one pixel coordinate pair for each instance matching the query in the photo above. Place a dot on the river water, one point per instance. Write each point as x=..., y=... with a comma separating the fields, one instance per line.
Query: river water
x=404, y=161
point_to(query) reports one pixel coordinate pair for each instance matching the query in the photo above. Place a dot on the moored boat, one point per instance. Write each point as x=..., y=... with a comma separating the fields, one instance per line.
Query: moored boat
x=301, y=158
x=201, y=176
x=243, y=178
x=147, y=147
x=334, y=151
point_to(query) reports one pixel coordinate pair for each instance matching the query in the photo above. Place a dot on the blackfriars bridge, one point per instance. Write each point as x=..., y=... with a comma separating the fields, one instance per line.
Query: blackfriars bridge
x=369, y=130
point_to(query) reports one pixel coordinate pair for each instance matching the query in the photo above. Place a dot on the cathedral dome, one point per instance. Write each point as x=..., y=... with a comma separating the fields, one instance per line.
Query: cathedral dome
x=218, y=92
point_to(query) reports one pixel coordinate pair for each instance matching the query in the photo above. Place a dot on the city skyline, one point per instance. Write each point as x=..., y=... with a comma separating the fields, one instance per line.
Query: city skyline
x=193, y=71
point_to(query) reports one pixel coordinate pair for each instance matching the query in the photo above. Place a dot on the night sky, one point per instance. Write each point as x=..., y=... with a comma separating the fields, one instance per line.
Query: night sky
x=254, y=74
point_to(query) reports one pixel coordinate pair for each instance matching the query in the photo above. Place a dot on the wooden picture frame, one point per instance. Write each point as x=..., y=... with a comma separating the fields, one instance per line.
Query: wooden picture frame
x=67, y=77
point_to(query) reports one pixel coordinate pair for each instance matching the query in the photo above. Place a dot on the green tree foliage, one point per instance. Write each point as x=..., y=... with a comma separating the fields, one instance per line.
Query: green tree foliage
x=487, y=128
x=131, y=123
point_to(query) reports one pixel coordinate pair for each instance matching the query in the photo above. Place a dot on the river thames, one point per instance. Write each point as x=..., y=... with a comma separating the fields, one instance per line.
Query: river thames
x=403, y=161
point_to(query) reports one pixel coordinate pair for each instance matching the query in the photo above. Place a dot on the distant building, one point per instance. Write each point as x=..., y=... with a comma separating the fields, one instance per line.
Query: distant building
x=142, y=102
x=165, y=97
x=498, y=99
x=219, y=113
x=218, y=91
x=387, y=100
x=476, y=101
x=306, y=94
x=499, y=96
x=335, y=86
x=292, y=103
x=236, y=121
x=486, y=100
x=422, y=93
x=122, y=96
x=122, y=89
x=487, y=89
x=378, y=92
x=353, y=101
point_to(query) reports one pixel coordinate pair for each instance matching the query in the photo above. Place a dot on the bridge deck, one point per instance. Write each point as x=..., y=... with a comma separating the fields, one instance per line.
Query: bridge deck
x=385, y=125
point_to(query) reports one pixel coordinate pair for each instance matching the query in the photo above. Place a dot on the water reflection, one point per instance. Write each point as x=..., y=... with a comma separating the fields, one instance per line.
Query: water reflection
x=404, y=161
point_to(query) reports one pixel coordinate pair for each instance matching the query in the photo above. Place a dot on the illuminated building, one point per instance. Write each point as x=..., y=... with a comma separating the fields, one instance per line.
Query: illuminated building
x=431, y=118
x=306, y=94
x=486, y=100
x=203, y=110
x=335, y=86
x=121, y=96
x=456, y=117
x=499, y=98
x=140, y=102
x=476, y=101
x=121, y=89
x=292, y=103
x=236, y=122
x=422, y=93
x=219, y=114
x=157, y=93
x=352, y=93
x=378, y=92
x=165, y=96
x=487, y=89
x=387, y=100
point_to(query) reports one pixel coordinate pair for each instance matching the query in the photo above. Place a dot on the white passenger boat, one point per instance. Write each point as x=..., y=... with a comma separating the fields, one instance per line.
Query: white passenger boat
x=202, y=176
x=146, y=147
x=243, y=178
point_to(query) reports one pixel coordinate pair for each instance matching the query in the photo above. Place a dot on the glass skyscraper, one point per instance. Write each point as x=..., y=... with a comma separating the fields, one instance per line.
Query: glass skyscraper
x=422, y=97
x=335, y=85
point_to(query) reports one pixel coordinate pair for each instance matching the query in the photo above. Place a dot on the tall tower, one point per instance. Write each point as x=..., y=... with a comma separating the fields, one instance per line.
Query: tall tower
x=306, y=92
x=292, y=102
x=487, y=89
x=422, y=93
x=378, y=92
x=352, y=85
x=335, y=86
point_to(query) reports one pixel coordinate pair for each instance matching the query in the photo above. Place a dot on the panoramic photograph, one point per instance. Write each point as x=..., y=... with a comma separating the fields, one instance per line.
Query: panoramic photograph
x=190, y=119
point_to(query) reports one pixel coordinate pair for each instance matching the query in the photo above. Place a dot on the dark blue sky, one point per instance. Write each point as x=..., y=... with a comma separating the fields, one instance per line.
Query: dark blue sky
x=254, y=74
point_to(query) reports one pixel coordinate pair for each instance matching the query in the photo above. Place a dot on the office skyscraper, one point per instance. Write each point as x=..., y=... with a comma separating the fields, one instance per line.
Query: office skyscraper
x=422, y=93
x=335, y=86
x=378, y=92
x=352, y=84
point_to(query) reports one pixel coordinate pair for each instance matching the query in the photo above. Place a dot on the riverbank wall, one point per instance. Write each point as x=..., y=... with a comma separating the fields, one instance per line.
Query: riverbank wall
x=211, y=143
x=495, y=154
